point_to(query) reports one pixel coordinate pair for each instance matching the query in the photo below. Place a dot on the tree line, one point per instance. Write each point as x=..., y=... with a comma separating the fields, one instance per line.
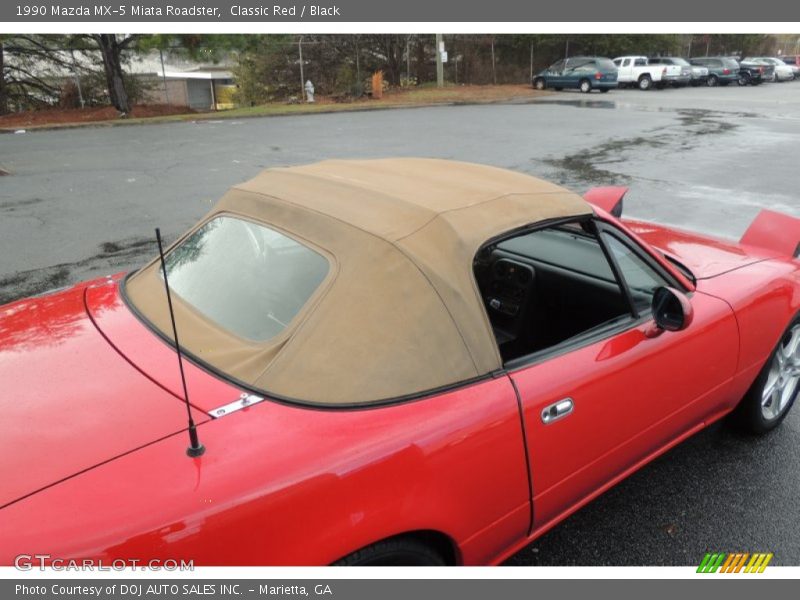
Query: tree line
x=45, y=70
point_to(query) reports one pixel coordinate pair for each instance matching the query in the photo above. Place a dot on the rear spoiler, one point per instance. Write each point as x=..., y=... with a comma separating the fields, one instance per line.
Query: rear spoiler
x=775, y=232
x=608, y=199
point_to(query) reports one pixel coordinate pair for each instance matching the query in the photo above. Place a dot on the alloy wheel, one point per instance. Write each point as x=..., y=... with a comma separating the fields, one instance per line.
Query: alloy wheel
x=783, y=378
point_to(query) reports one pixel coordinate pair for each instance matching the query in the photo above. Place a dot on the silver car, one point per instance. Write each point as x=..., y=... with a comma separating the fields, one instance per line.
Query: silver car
x=690, y=74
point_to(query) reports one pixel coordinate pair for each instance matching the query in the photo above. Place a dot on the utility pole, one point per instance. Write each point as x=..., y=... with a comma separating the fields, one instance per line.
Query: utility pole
x=164, y=75
x=531, y=61
x=494, y=70
x=439, y=65
x=358, y=64
x=408, y=60
x=302, y=78
x=77, y=79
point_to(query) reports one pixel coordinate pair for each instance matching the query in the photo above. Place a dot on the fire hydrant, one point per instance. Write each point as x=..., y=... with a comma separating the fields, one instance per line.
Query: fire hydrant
x=309, y=91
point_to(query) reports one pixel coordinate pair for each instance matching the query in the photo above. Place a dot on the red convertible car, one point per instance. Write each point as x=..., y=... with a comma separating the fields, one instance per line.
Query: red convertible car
x=388, y=362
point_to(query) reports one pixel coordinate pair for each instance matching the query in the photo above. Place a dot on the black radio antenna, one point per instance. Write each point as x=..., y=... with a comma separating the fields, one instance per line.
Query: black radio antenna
x=195, y=447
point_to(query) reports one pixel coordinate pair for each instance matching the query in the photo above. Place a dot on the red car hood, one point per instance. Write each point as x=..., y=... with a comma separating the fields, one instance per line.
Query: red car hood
x=69, y=400
x=706, y=257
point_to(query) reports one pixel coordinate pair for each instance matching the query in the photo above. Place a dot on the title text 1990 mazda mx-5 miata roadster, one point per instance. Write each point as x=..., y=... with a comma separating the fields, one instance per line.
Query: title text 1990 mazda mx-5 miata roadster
x=389, y=362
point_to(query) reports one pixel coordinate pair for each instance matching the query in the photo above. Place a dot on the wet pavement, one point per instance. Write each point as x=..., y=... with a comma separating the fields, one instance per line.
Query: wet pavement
x=82, y=203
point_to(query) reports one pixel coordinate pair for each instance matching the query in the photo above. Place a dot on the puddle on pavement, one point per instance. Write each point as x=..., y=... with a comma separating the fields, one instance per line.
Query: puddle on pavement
x=582, y=103
x=594, y=165
x=112, y=256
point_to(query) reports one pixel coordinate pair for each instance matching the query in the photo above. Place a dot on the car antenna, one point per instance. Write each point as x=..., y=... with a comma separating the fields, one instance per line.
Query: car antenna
x=195, y=447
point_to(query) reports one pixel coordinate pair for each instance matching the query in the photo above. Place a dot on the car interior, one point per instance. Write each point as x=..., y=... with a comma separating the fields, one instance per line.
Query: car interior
x=546, y=287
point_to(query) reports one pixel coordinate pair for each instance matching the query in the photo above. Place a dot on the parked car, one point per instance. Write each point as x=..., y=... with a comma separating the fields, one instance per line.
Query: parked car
x=794, y=63
x=721, y=70
x=687, y=75
x=405, y=361
x=636, y=71
x=755, y=73
x=781, y=71
x=585, y=73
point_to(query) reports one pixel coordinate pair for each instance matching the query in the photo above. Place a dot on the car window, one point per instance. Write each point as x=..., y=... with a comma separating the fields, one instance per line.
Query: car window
x=730, y=63
x=575, y=63
x=618, y=62
x=545, y=288
x=626, y=62
x=246, y=278
x=558, y=65
x=642, y=279
x=605, y=64
x=640, y=62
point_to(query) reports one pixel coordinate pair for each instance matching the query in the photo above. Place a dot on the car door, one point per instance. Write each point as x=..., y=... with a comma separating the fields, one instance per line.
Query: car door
x=568, y=78
x=600, y=403
x=555, y=74
x=580, y=70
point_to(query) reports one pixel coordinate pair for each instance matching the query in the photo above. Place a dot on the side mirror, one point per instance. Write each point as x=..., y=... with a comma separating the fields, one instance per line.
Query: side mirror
x=672, y=311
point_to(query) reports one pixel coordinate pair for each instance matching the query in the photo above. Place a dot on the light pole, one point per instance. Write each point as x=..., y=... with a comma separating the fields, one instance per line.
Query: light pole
x=302, y=78
x=439, y=65
x=164, y=75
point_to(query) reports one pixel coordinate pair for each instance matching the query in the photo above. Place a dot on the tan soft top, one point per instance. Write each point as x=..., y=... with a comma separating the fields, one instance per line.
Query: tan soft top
x=400, y=312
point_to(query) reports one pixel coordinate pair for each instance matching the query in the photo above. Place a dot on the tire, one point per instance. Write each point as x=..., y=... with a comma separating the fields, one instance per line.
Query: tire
x=539, y=84
x=645, y=83
x=585, y=86
x=399, y=551
x=712, y=81
x=759, y=411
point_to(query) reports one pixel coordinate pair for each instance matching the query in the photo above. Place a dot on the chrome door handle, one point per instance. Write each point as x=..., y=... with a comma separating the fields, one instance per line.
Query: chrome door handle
x=557, y=410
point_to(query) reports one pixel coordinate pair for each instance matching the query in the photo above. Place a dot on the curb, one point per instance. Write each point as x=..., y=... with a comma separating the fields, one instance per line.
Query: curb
x=222, y=117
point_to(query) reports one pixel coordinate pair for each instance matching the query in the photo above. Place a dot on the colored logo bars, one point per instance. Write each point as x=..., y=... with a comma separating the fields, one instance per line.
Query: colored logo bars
x=734, y=563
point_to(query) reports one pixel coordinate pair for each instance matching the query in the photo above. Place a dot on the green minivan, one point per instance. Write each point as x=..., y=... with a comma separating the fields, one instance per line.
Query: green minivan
x=721, y=70
x=585, y=73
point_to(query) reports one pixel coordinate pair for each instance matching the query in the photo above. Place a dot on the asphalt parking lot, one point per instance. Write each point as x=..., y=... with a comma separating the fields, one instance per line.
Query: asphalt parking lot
x=82, y=203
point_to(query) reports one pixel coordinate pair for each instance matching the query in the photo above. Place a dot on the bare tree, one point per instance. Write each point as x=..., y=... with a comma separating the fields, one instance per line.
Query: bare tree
x=26, y=71
x=111, y=48
x=390, y=50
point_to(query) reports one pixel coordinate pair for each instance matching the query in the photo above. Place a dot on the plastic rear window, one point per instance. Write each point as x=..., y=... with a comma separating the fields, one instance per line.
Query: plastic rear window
x=247, y=278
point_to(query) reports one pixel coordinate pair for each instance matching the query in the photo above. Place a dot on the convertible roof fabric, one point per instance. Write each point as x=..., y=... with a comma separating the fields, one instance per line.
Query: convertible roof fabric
x=400, y=312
